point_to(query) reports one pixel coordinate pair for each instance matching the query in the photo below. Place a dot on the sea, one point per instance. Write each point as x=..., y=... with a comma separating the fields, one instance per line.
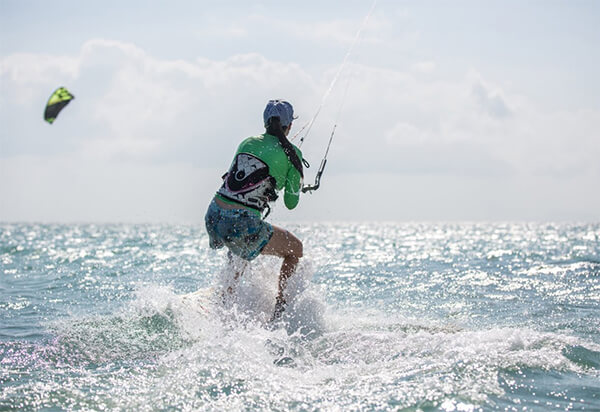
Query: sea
x=380, y=316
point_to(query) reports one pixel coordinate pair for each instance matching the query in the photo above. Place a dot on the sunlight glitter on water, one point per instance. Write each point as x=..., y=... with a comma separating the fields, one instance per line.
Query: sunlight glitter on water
x=382, y=316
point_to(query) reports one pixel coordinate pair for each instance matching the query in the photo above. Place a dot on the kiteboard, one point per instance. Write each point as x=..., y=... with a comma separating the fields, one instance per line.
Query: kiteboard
x=202, y=301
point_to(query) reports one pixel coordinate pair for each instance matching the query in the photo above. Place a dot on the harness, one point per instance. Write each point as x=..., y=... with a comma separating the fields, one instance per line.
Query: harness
x=249, y=183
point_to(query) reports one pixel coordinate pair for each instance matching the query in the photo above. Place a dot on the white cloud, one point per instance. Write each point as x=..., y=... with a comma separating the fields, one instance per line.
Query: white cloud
x=23, y=74
x=425, y=67
x=491, y=101
x=129, y=103
x=139, y=117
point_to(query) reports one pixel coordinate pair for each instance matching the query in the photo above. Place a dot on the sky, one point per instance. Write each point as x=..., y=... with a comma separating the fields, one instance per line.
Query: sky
x=445, y=111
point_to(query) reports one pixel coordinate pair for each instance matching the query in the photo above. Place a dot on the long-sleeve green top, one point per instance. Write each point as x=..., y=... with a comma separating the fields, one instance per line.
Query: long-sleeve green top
x=268, y=149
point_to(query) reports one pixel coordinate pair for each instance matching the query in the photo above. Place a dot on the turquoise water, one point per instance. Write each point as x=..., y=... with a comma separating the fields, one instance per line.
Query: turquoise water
x=382, y=316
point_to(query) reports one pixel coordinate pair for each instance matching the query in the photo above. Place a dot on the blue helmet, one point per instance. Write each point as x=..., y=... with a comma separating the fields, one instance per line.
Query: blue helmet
x=279, y=108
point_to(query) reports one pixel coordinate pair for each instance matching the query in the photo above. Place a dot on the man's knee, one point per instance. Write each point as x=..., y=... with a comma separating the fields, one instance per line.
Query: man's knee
x=295, y=246
x=297, y=249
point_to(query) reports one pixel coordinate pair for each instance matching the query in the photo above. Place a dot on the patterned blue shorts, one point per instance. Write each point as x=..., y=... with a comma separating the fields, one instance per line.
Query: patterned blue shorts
x=244, y=233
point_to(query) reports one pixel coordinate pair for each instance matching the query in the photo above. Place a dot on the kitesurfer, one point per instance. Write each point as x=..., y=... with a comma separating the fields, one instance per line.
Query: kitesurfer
x=262, y=166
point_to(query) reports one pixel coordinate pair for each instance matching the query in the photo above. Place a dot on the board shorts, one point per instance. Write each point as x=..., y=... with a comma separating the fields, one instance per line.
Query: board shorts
x=244, y=233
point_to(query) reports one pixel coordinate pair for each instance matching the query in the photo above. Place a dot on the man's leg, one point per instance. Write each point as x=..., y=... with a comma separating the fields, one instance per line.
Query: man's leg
x=287, y=246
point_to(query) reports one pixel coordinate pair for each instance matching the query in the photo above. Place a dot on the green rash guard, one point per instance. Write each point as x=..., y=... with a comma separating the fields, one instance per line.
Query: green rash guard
x=268, y=149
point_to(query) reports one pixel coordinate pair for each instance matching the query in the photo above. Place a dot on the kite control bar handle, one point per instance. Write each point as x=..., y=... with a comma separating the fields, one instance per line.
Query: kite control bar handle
x=311, y=188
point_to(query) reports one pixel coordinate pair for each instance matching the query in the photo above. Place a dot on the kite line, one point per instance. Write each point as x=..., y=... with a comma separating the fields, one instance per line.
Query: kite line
x=308, y=127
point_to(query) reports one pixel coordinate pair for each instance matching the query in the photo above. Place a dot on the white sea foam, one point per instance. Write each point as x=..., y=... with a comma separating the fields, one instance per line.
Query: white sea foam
x=237, y=361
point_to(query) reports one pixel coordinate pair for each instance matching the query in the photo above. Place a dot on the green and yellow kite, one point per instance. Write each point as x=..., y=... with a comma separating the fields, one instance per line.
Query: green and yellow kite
x=57, y=101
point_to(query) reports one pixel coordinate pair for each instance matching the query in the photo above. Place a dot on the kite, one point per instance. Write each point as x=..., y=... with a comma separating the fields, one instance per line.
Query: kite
x=57, y=101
